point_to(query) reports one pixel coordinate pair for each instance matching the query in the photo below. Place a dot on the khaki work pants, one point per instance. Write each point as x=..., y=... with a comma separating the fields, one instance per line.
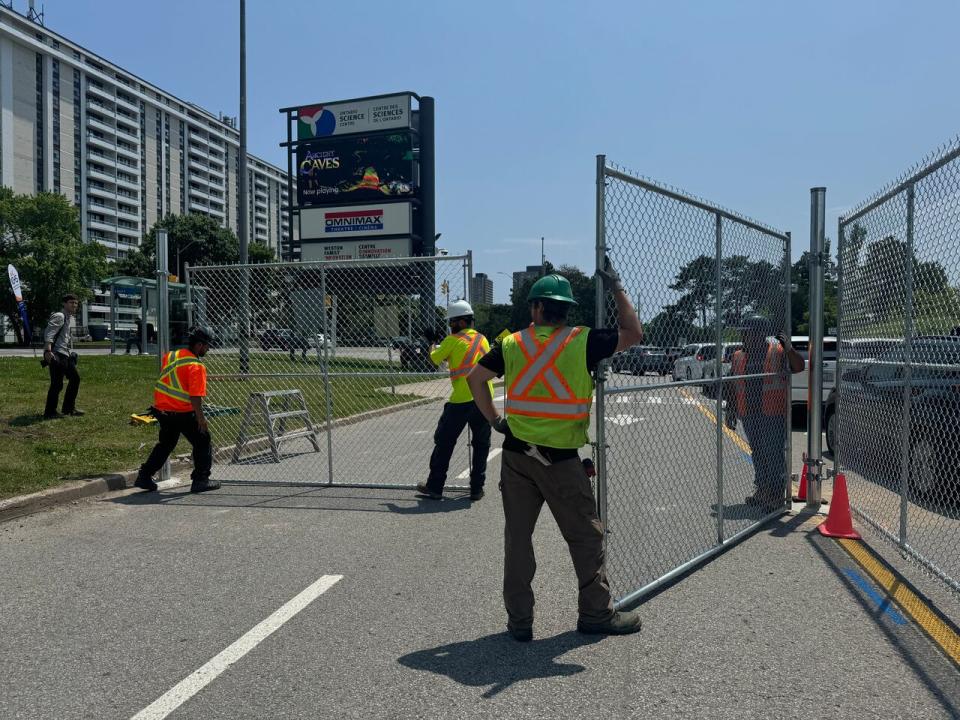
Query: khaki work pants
x=525, y=484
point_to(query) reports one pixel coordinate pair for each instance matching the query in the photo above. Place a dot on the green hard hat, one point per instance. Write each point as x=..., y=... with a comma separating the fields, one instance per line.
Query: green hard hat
x=552, y=287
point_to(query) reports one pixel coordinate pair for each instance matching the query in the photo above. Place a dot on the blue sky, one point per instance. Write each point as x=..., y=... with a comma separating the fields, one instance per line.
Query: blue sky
x=747, y=104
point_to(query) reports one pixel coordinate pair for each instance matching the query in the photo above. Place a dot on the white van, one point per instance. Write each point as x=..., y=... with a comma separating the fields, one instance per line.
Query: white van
x=800, y=382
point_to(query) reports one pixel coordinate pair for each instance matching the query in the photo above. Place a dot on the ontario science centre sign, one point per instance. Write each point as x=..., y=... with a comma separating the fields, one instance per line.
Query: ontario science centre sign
x=357, y=170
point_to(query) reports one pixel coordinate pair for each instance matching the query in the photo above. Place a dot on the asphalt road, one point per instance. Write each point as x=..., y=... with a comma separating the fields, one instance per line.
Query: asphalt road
x=110, y=604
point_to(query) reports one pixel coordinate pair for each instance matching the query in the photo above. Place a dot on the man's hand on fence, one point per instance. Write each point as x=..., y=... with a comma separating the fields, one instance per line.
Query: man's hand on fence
x=784, y=340
x=608, y=274
x=500, y=425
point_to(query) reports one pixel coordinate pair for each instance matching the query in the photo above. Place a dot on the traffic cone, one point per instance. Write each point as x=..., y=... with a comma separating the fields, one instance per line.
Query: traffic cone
x=839, y=524
x=802, y=492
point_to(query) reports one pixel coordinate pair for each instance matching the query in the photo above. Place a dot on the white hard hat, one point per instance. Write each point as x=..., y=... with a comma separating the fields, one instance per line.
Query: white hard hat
x=458, y=308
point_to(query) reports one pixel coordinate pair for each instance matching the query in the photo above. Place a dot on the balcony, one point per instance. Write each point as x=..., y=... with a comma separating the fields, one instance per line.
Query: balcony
x=100, y=92
x=129, y=232
x=101, y=126
x=128, y=132
x=200, y=207
x=216, y=160
x=197, y=149
x=128, y=214
x=198, y=164
x=128, y=167
x=100, y=192
x=260, y=181
x=102, y=208
x=102, y=176
x=96, y=157
x=100, y=142
x=197, y=192
x=126, y=152
x=200, y=178
x=134, y=106
x=128, y=183
x=102, y=225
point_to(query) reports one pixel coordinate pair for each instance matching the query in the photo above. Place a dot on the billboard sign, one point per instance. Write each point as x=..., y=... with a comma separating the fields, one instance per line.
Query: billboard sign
x=355, y=169
x=359, y=116
x=332, y=223
x=371, y=249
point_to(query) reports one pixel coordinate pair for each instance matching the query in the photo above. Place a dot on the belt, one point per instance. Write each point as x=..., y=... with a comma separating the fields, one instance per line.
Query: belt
x=172, y=412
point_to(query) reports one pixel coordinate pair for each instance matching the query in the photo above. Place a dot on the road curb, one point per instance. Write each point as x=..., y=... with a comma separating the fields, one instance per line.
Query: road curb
x=22, y=505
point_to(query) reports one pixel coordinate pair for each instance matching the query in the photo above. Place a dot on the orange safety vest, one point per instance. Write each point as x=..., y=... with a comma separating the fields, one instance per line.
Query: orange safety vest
x=773, y=396
x=470, y=359
x=540, y=371
x=171, y=392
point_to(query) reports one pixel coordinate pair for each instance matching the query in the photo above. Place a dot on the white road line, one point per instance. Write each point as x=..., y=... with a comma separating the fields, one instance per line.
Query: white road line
x=192, y=684
x=493, y=453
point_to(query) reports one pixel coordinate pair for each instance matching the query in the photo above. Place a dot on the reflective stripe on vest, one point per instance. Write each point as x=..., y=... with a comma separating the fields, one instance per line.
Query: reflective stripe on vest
x=541, y=367
x=470, y=359
x=168, y=383
x=773, y=398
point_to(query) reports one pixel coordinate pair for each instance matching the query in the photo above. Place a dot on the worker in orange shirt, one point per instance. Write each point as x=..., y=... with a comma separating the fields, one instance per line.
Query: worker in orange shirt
x=178, y=406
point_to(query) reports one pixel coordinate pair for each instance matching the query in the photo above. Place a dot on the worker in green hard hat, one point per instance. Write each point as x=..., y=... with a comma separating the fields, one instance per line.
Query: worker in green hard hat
x=547, y=370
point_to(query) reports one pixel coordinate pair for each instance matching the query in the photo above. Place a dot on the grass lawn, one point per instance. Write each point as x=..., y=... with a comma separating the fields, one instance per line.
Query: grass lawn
x=36, y=454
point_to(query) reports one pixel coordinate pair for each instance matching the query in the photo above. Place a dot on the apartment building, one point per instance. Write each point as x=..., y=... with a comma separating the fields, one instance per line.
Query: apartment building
x=481, y=289
x=125, y=152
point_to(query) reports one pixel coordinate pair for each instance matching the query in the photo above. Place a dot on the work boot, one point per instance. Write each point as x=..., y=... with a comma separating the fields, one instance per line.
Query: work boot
x=52, y=416
x=204, y=486
x=476, y=494
x=524, y=634
x=145, y=484
x=620, y=623
x=75, y=413
x=424, y=491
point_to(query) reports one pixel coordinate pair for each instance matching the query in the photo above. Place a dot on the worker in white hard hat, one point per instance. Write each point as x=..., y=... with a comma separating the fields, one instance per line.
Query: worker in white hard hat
x=461, y=350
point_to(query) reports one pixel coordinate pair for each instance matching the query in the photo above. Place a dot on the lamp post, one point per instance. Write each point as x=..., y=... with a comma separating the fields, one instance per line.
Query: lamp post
x=178, y=266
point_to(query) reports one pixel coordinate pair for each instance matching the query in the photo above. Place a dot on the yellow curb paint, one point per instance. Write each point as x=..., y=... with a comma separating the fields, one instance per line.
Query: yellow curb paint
x=940, y=632
x=738, y=441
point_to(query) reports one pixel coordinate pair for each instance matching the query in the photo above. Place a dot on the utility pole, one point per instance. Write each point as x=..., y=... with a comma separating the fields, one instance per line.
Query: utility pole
x=242, y=185
x=543, y=259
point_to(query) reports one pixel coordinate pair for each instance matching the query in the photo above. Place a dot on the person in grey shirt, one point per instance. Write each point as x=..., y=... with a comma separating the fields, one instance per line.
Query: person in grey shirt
x=60, y=359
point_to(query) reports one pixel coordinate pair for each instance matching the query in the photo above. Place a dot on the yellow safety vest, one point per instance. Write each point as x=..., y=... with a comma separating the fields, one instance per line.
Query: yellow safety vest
x=549, y=389
x=461, y=351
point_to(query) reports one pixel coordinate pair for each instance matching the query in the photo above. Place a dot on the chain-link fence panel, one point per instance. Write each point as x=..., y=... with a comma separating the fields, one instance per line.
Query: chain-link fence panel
x=895, y=417
x=693, y=427
x=321, y=372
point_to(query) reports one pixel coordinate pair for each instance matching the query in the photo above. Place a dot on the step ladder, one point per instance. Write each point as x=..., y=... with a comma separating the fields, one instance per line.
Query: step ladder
x=275, y=408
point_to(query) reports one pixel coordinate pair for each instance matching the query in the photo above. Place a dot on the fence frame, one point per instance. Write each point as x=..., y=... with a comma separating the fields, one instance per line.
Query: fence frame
x=908, y=186
x=603, y=172
x=329, y=423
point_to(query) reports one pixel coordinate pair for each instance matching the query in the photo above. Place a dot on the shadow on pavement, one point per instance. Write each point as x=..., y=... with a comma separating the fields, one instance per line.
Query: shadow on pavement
x=499, y=661
x=289, y=496
x=935, y=670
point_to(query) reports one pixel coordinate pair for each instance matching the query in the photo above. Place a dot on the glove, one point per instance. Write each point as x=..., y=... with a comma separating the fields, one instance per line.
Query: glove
x=500, y=425
x=609, y=276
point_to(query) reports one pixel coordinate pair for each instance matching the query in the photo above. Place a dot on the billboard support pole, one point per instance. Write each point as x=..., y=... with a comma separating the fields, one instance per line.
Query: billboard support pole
x=290, y=198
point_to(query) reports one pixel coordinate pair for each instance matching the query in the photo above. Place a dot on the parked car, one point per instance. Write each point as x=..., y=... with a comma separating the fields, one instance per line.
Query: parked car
x=661, y=360
x=726, y=364
x=800, y=382
x=873, y=416
x=689, y=366
x=286, y=339
x=630, y=360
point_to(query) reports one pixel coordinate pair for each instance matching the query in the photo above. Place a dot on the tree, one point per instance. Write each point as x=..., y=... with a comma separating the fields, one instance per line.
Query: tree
x=195, y=239
x=491, y=320
x=697, y=280
x=40, y=235
x=582, y=286
x=800, y=297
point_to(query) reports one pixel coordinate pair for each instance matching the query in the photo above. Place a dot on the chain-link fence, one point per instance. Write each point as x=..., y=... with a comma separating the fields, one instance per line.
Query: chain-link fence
x=694, y=427
x=894, y=419
x=321, y=373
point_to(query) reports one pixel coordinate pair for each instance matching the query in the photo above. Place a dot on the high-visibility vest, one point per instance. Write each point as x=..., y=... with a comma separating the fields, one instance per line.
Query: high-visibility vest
x=774, y=392
x=474, y=352
x=549, y=388
x=170, y=392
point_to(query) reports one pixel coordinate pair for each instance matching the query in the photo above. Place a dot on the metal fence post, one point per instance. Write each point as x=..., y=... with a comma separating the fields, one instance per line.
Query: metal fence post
x=788, y=329
x=188, y=305
x=718, y=368
x=815, y=386
x=600, y=321
x=163, y=325
x=908, y=331
x=839, y=373
x=326, y=374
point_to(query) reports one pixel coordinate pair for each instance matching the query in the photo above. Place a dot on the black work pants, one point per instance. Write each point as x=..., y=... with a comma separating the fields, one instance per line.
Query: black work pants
x=766, y=437
x=172, y=426
x=60, y=369
x=453, y=419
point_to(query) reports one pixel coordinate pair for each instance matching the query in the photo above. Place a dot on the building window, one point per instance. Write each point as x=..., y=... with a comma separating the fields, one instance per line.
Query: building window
x=143, y=169
x=183, y=174
x=76, y=139
x=40, y=158
x=56, y=125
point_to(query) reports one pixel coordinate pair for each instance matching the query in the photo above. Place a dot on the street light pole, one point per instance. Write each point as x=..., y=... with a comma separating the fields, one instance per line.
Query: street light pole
x=243, y=189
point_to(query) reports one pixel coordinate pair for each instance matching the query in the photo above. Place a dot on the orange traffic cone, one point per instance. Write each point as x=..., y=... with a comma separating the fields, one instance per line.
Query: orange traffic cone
x=802, y=492
x=839, y=524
